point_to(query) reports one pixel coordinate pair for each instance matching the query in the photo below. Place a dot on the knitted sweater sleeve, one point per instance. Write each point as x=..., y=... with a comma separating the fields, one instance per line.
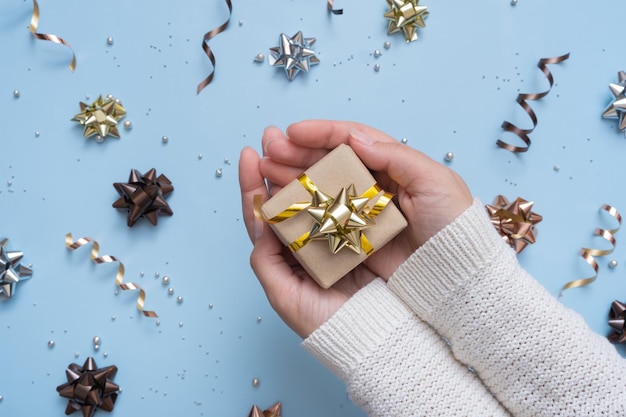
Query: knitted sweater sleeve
x=394, y=364
x=536, y=356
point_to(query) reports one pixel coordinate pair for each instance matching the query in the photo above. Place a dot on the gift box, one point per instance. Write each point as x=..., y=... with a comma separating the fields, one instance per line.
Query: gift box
x=299, y=214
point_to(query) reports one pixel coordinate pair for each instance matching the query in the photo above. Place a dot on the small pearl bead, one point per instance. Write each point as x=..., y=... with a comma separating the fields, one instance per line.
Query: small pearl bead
x=179, y=299
x=105, y=354
x=256, y=382
x=165, y=280
x=96, y=340
x=241, y=23
x=164, y=139
x=613, y=263
x=218, y=172
x=96, y=347
x=170, y=290
x=211, y=306
x=377, y=67
x=76, y=354
x=37, y=133
x=556, y=168
x=16, y=93
x=387, y=45
x=513, y=2
x=258, y=319
x=1, y=398
x=259, y=58
x=9, y=183
x=99, y=139
x=199, y=156
x=377, y=53
x=110, y=40
x=51, y=344
x=404, y=140
x=156, y=274
x=180, y=324
x=449, y=157
x=110, y=96
x=158, y=322
x=128, y=125
x=113, y=318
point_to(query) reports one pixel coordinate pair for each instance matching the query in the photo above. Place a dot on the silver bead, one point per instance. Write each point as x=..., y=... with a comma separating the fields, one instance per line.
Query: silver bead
x=113, y=318
x=179, y=299
x=96, y=340
x=170, y=290
x=110, y=97
x=76, y=354
x=96, y=347
x=105, y=354
x=241, y=23
x=165, y=280
x=141, y=274
x=449, y=157
x=256, y=382
x=210, y=306
x=180, y=324
x=218, y=172
x=158, y=322
x=9, y=183
x=387, y=44
x=259, y=58
x=556, y=168
x=50, y=344
x=165, y=139
x=258, y=319
x=377, y=53
x=1, y=398
x=128, y=125
x=156, y=274
x=199, y=156
x=37, y=133
x=99, y=139
x=613, y=263
x=404, y=140
x=513, y=2
x=227, y=161
x=110, y=40
x=377, y=67
x=16, y=93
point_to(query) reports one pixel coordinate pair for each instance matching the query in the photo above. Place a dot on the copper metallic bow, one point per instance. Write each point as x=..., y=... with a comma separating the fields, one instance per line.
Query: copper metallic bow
x=89, y=388
x=273, y=411
x=11, y=270
x=144, y=196
x=617, y=320
x=514, y=221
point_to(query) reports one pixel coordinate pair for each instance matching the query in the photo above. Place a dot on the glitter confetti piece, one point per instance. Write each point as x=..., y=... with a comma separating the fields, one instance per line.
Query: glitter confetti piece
x=207, y=50
x=330, y=4
x=119, y=278
x=521, y=100
x=588, y=254
x=34, y=23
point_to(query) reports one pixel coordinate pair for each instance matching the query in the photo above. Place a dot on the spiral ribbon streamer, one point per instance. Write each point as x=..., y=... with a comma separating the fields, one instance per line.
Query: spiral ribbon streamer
x=521, y=100
x=589, y=254
x=207, y=50
x=34, y=23
x=119, y=277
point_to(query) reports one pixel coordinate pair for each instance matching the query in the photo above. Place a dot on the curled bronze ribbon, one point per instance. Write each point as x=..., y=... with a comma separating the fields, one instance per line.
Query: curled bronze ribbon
x=207, y=50
x=521, y=100
x=372, y=211
x=34, y=23
x=119, y=277
x=330, y=5
x=589, y=254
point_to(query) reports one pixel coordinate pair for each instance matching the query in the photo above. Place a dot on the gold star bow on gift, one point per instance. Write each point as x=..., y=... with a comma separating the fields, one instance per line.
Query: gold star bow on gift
x=405, y=16
x=340, y=220
x=100, y=118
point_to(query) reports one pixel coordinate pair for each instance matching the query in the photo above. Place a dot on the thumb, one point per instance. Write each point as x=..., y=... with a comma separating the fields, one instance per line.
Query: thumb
x=404, y=165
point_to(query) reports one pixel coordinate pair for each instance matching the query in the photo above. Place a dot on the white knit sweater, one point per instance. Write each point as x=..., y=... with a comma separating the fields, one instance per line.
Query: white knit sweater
x=535, y=356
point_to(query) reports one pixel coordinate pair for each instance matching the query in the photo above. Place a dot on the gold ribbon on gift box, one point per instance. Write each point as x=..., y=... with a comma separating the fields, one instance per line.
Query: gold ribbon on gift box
x=340, y=219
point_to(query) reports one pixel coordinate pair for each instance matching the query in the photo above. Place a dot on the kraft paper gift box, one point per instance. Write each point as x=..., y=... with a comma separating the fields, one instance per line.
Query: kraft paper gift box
x=338, y=169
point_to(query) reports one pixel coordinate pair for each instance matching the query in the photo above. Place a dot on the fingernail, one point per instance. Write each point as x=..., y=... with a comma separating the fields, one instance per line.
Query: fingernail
x=361, y=137
x=258, y=229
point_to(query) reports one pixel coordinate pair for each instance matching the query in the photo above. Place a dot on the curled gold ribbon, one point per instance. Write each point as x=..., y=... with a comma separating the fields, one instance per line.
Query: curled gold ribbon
x=207, y=50
x=521, y=100
x=119, y=277
x=589, y=254
x=330, y=5
x=34, y=23
x=306, y=182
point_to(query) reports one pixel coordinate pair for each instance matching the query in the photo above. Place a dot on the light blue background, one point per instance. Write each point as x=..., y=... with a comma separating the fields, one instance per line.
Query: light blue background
x=449, y=91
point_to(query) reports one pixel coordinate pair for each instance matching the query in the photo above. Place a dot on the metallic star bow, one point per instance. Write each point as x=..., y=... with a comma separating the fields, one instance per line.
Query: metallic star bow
x=617, y=108
x=340, y=220
x=617, y=320
x=11, y=270
x=514, y=221
x=295, y=54
x=273, y=411
x=144, y=196
x=405, y=16
x=89, y=388
x=100, y=117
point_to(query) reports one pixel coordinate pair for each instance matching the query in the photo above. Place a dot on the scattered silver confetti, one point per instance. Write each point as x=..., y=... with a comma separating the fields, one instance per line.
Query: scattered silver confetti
x=387, y=44
x=128, y=124
x=449, y=156
x=179, y=299
x=259, y=58
x=16, y=93
x=165, y=139
x=165, y=280
x=110, y=40
x=256, y=382
x=613, y=263
x=218, y=172
x=377, y=67
x=377, y=53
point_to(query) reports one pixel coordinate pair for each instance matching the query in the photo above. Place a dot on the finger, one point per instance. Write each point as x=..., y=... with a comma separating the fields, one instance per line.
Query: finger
x=329, y=134
x=287, y=152
x=278, y=174
x=271, y=134
x=251, y=183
